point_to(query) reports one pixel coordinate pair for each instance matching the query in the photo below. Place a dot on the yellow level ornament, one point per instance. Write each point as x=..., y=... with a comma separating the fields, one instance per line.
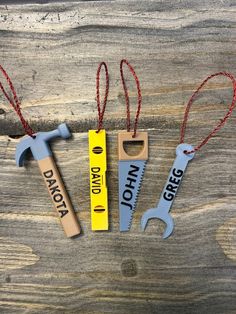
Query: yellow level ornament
x=98, y=186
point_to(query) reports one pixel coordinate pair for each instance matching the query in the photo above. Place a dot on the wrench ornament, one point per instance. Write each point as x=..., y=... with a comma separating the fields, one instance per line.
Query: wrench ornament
x=168, y=194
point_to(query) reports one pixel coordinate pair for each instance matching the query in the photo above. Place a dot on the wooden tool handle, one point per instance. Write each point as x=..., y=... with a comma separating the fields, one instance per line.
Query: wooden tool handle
x=128, y=137
x=59, y=196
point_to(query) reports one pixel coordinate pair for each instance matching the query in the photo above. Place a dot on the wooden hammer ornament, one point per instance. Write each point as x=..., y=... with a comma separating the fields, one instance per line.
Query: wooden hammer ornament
x=39, y=146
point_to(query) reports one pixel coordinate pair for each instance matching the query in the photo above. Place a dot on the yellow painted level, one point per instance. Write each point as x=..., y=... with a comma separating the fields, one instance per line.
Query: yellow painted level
x=98, y=187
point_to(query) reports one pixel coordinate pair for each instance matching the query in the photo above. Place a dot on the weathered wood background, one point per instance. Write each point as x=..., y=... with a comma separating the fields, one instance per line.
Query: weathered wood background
x=51, y=51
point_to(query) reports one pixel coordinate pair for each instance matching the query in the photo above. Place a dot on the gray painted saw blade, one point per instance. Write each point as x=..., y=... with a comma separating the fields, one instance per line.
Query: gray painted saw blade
x=130, y=179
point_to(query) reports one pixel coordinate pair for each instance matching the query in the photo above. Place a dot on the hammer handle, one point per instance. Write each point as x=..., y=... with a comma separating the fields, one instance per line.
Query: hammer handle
x=59, y=196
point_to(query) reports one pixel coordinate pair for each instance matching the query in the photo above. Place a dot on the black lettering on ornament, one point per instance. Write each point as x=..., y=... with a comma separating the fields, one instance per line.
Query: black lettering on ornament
x=96, y=179
x=173, y=183
x=131, y=180
x=56, y=194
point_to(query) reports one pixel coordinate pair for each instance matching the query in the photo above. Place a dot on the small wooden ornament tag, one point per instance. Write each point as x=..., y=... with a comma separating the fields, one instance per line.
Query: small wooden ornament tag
x=128, y=137
x=98, y=187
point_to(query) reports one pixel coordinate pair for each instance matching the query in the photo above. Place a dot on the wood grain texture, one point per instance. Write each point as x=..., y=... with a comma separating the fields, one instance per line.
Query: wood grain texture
x=51, y=51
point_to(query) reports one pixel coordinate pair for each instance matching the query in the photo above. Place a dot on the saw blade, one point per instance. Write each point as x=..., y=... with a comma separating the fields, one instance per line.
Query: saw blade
x=130, y=179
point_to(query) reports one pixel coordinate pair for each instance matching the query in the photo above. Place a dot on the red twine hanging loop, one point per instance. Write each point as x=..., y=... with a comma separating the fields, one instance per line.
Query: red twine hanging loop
x=127, y=95
x=15, y=102
x=101, y=112
x=220, y=124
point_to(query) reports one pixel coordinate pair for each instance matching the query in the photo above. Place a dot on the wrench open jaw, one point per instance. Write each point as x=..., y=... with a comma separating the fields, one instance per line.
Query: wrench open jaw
x=162, y=211
x=158, y=213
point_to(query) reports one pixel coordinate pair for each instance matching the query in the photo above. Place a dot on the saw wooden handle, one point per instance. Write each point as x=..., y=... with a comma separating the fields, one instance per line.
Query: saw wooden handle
x=128, y=137
x=59, y=196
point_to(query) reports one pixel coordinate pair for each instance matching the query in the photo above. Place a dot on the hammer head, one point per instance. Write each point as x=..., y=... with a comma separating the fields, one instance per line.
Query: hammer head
x=39, y=145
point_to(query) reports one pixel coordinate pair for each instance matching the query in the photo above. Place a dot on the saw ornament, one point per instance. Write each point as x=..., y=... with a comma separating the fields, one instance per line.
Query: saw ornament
x=131, y=168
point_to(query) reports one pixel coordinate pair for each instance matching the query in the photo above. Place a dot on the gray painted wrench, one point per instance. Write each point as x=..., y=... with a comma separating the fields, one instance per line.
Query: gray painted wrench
x=168, y=194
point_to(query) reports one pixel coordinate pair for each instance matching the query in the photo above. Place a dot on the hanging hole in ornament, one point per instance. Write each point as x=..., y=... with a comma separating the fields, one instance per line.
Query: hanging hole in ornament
x=133, y=148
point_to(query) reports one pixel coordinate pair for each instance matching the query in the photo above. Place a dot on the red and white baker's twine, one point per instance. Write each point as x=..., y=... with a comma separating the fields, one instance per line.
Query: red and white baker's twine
x=127, y=96
x=220, y=124
x=15, y=102
x=101, y=112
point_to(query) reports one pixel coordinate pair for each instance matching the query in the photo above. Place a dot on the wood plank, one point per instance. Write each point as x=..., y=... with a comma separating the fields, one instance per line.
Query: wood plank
x=51, y=52
x=122, y=272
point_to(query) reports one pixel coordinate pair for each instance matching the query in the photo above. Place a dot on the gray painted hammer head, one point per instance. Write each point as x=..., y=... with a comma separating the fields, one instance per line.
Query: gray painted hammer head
x=39, y=145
